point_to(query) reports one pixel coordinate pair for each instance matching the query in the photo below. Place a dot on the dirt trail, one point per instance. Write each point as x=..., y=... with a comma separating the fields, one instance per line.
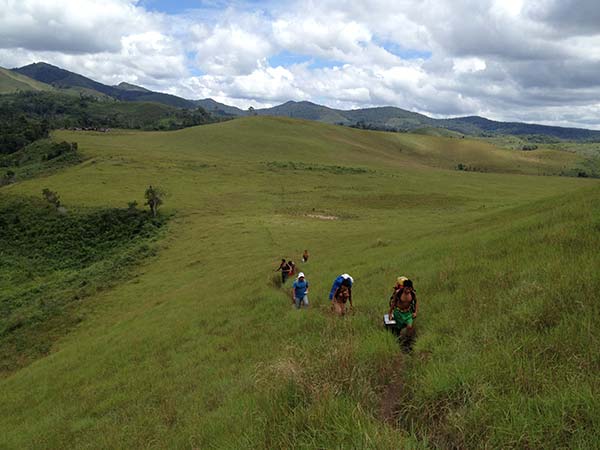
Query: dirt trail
x=392, y=392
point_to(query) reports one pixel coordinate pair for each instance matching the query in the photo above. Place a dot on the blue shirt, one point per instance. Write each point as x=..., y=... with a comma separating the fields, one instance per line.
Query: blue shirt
x=300, y=288
x=337, y=283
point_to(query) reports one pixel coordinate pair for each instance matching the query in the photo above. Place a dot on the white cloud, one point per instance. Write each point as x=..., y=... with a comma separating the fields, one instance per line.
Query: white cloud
x=469, y=65
x=70, y=26
x=509, y=59
x=231, y=50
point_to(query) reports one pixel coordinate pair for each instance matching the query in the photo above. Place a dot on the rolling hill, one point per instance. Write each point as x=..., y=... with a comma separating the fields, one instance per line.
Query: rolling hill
x=219, y=109
x=11, y=82
x=387, y=118
x=63, y=79
x=157, y=336
x=396, y=119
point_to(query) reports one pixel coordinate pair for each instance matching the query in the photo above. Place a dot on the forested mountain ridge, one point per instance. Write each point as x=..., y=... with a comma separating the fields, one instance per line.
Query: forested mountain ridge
x=386, y=118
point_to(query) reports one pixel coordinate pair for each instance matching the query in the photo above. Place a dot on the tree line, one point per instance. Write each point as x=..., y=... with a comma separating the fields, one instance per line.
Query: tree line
x=28, y=116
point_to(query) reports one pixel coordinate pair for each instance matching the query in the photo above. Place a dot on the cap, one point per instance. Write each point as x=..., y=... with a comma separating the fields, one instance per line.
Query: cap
x=400, y=281
x=408, y=283
x=301, y=275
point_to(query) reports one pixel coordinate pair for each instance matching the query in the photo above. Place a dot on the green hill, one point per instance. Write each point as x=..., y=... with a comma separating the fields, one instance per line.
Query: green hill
x=28, y=116
x=387, y=118
x=131, y=87
x=305, y=110
x=66, y=80
x=11, y=82
x=182, y=337
x=219, y=109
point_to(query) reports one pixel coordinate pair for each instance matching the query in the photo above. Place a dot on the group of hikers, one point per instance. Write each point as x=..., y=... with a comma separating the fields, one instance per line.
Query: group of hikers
x=403, y=306
x=288, y=268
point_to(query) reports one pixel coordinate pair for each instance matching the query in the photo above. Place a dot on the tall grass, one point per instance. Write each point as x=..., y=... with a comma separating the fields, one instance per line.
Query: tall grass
x=200, y=349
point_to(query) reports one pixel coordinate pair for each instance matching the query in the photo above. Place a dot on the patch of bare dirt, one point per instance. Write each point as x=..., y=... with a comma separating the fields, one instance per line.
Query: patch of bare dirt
x=392, y=392
x=322, y=217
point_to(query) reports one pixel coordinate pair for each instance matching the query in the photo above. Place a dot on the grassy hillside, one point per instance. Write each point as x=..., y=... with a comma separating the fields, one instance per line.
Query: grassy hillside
x=12, y=82
x=70, y=81
x=199, y=348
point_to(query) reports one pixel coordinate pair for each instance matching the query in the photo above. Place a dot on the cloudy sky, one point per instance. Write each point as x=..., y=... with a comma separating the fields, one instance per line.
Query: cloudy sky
x=526, y=60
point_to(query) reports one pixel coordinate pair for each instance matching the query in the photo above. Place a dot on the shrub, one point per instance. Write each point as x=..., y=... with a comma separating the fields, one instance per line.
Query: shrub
x=154, y=198
x=51, y=197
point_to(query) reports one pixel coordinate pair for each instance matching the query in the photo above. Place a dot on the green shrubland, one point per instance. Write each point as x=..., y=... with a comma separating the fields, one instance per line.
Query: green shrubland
x=53, y=259
x=200, y=347
x=38, y=158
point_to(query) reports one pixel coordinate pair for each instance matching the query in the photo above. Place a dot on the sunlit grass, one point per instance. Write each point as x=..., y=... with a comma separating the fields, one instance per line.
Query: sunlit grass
x=199, y=349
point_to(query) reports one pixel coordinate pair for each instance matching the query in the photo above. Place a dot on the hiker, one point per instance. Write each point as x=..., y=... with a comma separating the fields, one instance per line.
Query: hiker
x=305, y=256
x=346, y=281
x=292, y=267
x=403, y=309
x=300, y=291
x=399, y=285
x=341, y=296
x=285, y=270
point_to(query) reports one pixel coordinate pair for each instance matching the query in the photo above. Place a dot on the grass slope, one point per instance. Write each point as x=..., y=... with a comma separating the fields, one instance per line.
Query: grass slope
x=200, y=350
x=12, y=82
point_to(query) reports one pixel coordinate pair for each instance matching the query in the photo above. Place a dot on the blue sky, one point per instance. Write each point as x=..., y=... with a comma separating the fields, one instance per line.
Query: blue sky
x=522, y=60
x=215, y=6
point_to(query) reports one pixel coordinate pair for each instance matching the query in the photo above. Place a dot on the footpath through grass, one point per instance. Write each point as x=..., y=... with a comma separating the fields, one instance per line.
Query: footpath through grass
x=199, y=350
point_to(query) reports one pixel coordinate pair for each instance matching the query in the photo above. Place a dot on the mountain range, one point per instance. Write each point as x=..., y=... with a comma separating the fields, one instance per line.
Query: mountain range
x=43, y=76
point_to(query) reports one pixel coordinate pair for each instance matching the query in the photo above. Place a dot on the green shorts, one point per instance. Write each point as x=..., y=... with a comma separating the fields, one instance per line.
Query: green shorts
x=403, y=318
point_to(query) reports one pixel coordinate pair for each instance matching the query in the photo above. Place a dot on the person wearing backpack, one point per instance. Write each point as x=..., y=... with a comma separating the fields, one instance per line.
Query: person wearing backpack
x=403, y=309
x=292, y=266
x=285, y=270
x=399, y=285
x=341, y=291
x=300, y=291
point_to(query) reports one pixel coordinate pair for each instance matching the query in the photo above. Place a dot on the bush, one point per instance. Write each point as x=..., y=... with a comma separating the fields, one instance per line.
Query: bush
x=529, y=147
x=51, y=197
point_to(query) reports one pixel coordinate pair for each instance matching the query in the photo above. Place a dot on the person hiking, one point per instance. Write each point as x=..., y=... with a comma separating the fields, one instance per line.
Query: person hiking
x=300, y=291
x=285, y=270
x=305, y=256
x=403, y=309
x=292, y=267
x=346, y=281
x=341, y=296
x=399, y=285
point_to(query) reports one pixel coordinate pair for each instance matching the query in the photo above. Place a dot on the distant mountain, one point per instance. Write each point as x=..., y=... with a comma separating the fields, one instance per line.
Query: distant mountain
x=131, y=87
x=12, y=82
x=481, y=126
x=305, y=110
x=63, y=79
x=396, y=119
x=386, y=118
x=219, y=109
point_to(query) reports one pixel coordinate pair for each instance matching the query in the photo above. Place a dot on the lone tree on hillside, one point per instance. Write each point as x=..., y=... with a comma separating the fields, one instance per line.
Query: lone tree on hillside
x=51, y=197
x=154, y=198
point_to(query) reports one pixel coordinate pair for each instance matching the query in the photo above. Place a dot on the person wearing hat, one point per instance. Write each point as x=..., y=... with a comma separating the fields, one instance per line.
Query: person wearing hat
x=399, y=285
x=300, y=291
x=341, y=291
x=403, y=309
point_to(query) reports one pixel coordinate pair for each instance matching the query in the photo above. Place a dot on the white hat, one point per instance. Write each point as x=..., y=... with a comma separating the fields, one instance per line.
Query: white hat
x=346, y=276
x=301, y=275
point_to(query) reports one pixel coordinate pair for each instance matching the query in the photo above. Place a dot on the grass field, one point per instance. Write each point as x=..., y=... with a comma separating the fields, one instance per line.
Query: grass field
x=199, y=348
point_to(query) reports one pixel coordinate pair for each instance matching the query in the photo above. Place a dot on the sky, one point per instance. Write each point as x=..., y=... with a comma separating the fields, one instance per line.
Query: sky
x=512, y=60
